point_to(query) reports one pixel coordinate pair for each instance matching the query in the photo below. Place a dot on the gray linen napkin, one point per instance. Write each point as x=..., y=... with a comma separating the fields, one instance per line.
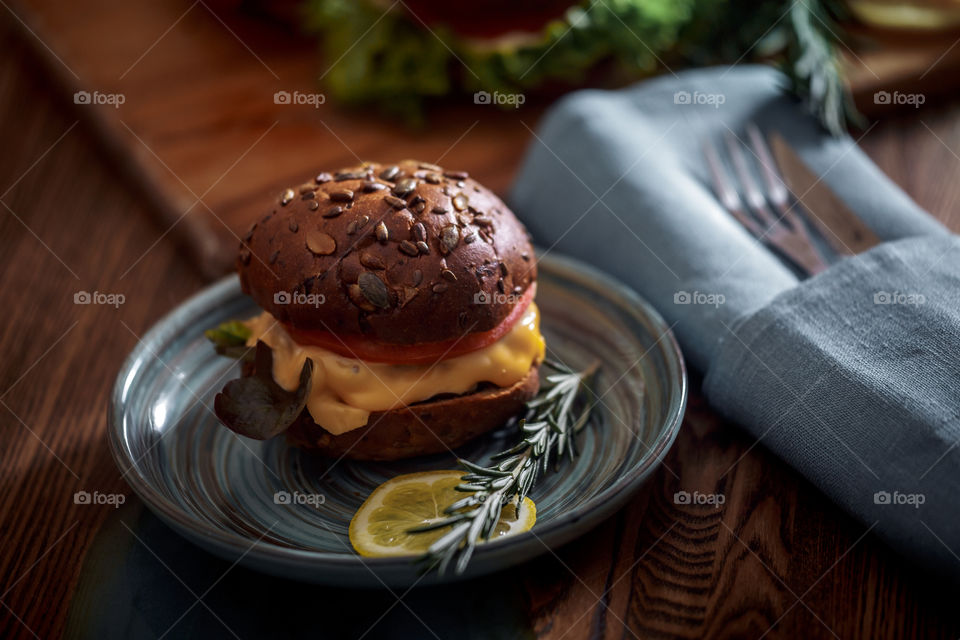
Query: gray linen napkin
x=852, y=377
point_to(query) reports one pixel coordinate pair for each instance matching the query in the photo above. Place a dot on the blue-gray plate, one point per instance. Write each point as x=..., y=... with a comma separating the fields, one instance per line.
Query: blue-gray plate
x=220, y=490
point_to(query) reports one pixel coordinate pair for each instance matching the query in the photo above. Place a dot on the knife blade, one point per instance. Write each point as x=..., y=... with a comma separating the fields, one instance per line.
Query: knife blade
x=841, y=228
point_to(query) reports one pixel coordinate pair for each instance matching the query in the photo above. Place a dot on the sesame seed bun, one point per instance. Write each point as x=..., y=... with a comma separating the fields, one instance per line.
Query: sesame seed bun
x=403, y=254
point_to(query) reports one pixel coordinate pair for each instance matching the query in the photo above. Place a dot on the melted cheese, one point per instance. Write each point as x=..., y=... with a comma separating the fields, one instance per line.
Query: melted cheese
x=344, y=391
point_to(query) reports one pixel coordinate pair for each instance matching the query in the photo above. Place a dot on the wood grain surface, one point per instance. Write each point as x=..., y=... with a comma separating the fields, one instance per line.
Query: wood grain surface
x=777, y=560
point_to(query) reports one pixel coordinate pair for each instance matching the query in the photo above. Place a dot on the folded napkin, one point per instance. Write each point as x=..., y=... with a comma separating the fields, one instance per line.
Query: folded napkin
x=852, y=377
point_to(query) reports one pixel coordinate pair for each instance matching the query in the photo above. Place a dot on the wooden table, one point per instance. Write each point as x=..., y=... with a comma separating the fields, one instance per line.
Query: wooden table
x=778, y=560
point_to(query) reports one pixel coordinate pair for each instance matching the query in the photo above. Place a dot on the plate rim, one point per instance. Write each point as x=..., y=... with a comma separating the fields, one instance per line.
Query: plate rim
x=239, y=546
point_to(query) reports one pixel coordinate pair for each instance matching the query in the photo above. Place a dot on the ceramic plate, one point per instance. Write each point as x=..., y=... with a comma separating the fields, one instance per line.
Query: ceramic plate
x=229, y=494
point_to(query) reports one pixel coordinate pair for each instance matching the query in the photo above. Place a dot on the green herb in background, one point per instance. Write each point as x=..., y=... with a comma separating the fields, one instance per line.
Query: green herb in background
x=813, y=67
x=392, y=60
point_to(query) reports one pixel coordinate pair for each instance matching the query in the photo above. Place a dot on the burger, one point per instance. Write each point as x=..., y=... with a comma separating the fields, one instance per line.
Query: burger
x=397, y=315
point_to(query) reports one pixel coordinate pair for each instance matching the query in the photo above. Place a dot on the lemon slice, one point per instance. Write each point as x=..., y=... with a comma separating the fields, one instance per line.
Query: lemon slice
x=380, y=525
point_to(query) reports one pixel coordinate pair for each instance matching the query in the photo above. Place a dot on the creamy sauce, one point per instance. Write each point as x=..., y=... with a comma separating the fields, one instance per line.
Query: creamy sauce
x=344, y=391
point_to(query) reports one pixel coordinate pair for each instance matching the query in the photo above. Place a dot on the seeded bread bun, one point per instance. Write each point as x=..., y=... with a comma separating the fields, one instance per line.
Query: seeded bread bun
x=404, y=254
x=434, y=426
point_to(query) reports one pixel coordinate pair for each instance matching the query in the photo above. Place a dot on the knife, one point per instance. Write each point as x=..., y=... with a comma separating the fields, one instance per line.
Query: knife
x=839, y=226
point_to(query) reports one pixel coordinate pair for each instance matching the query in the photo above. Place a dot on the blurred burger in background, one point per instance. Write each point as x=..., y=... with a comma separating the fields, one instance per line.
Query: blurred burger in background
x=403, y=56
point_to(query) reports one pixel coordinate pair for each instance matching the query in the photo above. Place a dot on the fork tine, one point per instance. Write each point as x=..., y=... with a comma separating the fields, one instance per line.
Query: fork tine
x=797, y=211
x=754, y=196
x=793, y=241
x=776, y=188
x=722, y=184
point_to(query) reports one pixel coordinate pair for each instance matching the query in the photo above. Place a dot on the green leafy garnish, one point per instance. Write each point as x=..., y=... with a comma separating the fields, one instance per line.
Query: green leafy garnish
x=256, y=406
x=230, y=339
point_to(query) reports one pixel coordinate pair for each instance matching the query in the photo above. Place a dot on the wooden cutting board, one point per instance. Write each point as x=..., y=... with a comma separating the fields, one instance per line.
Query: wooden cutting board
x=899, y=64
x=197, y=129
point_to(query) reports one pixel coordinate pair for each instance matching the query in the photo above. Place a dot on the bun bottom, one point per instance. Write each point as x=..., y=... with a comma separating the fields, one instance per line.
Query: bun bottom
x=422, y=428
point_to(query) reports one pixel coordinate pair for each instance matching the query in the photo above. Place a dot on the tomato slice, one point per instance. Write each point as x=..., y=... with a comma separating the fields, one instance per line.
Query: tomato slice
x=363, y=348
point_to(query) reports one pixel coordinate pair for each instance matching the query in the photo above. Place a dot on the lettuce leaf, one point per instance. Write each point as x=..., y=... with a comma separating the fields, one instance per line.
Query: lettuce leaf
x=256, y=406
x=230, y=340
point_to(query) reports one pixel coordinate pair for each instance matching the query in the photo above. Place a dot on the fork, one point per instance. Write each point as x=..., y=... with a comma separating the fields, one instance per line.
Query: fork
x=784, y=230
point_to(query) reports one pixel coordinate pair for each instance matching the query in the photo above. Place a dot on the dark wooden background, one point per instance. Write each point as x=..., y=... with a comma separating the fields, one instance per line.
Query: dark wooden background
x=777, y=560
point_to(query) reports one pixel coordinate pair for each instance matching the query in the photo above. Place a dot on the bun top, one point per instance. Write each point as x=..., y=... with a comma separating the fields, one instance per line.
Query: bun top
x=404, y=254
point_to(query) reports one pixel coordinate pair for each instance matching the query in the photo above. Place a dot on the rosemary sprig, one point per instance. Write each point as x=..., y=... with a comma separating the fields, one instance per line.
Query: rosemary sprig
x=813, y=67
x=562, y=408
